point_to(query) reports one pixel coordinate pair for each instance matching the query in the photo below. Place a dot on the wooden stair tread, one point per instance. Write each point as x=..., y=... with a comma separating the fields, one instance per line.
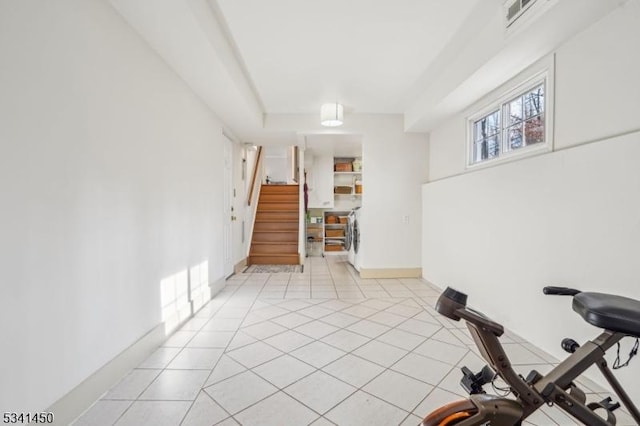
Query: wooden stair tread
x=276, y=226
x=288, y=243
x=276, y=231
x=274, y=254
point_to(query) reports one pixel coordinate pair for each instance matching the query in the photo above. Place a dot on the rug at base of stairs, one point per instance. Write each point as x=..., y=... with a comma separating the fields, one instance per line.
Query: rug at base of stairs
x=271, y=269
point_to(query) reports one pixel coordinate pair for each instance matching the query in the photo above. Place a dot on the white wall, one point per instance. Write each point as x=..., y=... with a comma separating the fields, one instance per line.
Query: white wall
x=393, y=170
x=276, y=164
x=447, y=148
x=597, y=88
x=320, y=181
x=566, y=218
x=503, y=233
x=110, y=176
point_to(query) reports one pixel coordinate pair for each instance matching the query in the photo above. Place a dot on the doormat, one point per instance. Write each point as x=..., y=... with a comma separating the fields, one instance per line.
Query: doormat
x=272, y=269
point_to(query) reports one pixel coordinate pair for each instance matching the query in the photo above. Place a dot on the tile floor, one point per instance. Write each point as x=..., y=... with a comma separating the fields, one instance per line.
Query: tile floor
x=321, y=347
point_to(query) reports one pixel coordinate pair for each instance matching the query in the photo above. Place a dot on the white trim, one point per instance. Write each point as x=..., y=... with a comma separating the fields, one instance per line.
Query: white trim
x=83, y=396
x=541, y=72
x=390, y=272
x=77, y=401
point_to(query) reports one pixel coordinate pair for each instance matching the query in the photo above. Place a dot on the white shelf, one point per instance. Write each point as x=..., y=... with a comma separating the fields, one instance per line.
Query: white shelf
x=348, y=173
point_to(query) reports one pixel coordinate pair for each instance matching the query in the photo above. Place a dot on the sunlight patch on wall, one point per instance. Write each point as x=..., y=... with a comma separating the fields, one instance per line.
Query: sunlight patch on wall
x=183, y=294
x=199, y=285
x=175, y=300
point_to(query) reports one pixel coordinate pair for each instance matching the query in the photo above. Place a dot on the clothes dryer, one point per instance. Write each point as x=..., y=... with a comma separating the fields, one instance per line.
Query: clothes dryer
x=349, y=238
x=357, y=238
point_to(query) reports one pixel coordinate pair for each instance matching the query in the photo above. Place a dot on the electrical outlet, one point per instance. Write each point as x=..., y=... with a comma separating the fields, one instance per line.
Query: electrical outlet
x=405, y=219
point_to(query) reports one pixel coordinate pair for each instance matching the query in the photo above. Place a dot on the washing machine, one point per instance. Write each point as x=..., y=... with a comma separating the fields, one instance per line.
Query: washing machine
x=348, y=244
x=353, y=256
x=357, y=240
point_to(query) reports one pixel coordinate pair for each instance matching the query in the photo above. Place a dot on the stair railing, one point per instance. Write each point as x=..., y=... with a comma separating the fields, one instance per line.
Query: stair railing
x=252, y=199
x=256, y=176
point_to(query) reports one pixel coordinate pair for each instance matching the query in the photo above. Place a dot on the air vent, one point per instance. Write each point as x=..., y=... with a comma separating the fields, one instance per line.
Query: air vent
x=515, y=9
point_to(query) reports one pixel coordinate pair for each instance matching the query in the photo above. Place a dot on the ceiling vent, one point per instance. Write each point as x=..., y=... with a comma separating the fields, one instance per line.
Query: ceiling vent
x=515, y=8
x=520, y=13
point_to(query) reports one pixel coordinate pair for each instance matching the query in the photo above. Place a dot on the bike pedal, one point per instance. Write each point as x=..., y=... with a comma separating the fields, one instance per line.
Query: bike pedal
x=473, y=383
x=609, y=405
x=606, y=403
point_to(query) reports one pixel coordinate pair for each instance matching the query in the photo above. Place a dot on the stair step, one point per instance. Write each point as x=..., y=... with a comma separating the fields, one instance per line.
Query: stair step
x=271, y=259
x=274, y=247
x=275, y=232
x=279, y=189
x=275, y=236
x=274, y=215
x=262, y=225
x=291, y=207
x=279, y=198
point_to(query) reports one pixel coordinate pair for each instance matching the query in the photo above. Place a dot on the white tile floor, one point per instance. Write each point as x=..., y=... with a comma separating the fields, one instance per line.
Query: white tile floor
x=321, y=347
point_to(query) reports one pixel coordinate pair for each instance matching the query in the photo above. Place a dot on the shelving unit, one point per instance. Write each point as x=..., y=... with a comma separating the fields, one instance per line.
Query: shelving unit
x=327, y=173
x=315, y=239
x=314, y=233
x=335, y=233
x=347, y=182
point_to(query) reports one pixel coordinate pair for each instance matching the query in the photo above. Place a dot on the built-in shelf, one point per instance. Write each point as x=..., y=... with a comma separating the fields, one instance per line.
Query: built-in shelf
x=347, y=177
x=331, y=228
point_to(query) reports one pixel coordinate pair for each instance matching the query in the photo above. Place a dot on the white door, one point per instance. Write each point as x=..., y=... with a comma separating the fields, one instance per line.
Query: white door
x=229, y=214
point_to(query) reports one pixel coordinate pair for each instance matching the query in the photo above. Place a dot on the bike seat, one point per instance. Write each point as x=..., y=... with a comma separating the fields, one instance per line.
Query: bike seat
x=615, y=313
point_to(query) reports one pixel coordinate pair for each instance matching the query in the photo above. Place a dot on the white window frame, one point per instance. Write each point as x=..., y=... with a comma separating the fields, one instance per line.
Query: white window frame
x=497, y=101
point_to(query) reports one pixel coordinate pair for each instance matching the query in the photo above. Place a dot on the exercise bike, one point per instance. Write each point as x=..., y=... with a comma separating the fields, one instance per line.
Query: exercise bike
x=618, y=316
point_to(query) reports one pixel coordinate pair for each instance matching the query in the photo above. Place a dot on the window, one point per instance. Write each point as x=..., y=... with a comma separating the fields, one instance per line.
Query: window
x=515, y=124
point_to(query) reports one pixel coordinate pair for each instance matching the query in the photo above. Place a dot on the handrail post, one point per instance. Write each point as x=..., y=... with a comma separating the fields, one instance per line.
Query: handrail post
x=254, y=176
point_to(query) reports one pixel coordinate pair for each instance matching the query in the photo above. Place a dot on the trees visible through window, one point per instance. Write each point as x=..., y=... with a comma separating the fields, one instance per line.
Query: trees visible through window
x=487, y=137
x=513, y=125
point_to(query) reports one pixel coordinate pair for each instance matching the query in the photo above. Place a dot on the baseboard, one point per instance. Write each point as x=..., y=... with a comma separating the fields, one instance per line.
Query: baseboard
x=240, y=266
x=77, y=401
x=391, y=273
x=216, y=287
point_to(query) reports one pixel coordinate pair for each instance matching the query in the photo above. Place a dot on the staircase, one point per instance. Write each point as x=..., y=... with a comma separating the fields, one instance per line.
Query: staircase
x=275, y=232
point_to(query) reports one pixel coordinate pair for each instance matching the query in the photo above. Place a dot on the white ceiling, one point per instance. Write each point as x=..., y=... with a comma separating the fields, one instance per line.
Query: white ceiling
x=265, y=66
x=367, y=54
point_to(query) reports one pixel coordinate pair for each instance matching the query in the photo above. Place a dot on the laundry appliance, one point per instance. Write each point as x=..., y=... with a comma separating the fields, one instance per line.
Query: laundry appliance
x=353, y=255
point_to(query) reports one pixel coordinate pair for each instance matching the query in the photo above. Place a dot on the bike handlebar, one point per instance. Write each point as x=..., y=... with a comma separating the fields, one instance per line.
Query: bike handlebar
x=560, y=291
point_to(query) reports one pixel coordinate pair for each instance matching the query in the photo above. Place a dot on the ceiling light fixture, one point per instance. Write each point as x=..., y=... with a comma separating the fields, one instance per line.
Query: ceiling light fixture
x=331, y=115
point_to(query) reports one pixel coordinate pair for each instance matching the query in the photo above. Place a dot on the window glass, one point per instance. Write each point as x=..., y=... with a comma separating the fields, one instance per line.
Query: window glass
x=534, y=130
x=488, y=125
x=486, y=137
x=486, y=149
x=514, y=111
x=514, y=137
x=534, y=102
x=517, y=122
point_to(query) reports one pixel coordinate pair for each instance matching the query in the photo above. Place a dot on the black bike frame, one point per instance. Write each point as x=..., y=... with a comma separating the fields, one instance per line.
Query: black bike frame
x=551, y=388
